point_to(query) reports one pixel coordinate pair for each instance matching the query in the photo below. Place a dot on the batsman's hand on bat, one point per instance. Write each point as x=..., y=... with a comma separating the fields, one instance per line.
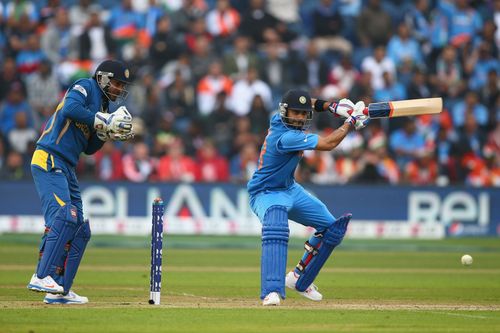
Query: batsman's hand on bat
x=344, y=108
x=359, y=115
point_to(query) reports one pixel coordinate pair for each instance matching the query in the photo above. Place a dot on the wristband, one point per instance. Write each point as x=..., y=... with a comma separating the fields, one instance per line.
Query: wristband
x=318, y=105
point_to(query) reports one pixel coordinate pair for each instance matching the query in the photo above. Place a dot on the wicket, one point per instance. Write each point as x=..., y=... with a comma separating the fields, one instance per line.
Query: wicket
x=156, y=251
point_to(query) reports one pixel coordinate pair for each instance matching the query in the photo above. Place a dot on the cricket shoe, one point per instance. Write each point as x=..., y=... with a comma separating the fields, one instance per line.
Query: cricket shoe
x=311, y=292
x=272, y=299
x=69, y=298
x=46, y=285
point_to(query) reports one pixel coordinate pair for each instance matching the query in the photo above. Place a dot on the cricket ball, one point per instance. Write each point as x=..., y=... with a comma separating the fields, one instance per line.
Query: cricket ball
x=466, y=260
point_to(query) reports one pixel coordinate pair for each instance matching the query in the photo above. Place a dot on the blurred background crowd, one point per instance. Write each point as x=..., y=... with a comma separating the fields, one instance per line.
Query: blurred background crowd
x=208, y=74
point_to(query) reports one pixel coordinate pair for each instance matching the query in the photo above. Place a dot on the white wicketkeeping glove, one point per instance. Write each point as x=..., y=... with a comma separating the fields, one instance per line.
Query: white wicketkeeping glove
x=344, y=108
x=119, y=121
x=105, y=136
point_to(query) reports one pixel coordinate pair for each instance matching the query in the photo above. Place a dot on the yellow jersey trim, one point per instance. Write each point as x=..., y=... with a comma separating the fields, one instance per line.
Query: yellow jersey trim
x=59, y=201
x=40, y=159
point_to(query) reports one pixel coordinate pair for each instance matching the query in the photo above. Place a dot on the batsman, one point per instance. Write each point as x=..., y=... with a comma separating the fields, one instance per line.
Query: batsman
x=275, y=196
x=81, y=123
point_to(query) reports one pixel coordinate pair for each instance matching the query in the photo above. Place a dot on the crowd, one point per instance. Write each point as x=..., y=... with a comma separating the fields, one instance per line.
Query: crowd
x=209, y=73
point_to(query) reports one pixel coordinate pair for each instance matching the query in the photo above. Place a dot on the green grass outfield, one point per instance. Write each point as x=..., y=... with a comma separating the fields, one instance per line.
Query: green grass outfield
x=211, y=284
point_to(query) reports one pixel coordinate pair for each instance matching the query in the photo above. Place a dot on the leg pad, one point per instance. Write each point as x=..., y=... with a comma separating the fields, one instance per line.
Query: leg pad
x=75, y=254
x=275, y=234
x=331, y=238
x=61, y=232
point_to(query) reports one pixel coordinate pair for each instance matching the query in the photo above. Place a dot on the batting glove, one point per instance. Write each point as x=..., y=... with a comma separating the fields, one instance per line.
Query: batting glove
x=344, y=108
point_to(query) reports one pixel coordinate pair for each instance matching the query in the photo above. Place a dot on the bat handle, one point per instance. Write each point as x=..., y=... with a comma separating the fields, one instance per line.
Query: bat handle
x=365, y=112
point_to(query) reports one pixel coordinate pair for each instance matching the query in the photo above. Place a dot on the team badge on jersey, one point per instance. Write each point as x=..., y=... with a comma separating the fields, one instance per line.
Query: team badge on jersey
x=81, y=89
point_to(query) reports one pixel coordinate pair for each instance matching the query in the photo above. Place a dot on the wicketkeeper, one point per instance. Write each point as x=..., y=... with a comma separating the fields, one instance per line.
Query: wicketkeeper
x=275, y=197
x=81, y=123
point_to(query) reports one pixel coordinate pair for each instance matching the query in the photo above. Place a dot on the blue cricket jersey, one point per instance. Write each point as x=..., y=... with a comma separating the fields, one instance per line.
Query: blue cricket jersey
x=70, y=130
x=279, y=156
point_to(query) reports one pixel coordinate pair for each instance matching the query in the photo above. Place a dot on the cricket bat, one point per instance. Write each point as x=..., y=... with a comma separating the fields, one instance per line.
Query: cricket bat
x=409, y=107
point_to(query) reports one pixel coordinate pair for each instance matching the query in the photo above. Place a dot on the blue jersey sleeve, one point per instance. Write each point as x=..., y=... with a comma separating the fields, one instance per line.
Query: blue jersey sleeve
x=75, y=104
x=296, y=141
x=94, y=144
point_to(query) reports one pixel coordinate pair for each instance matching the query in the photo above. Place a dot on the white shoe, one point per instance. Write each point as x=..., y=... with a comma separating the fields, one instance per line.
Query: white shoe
x=69, y=298
x=47, y=285
x=311, y=292
x=272, y=299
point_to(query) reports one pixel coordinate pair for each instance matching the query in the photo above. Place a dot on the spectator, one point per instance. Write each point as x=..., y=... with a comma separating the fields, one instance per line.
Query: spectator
x=153, y=14
x=197, y=28
x=343, y=75
x=176, y=166
x=210, y=86
x=276, y=71
x=138, y=165
x=28, y=60
x=449, y=74
x=21, y=135
x=245, y=90
x=202, y=57
x=327, y=28
x=21, y=13
x=406, y=143
x=257, y=21
x=9, y=76
x=377, y=65
x=14, y=104
x=244, y=163
x=464, y=21
x=57, y=42
x=237, y=62
x=15, y=167
x=79, y=14
x=44, y=92
x=418, y=87
x=220, y=125
x=374, y=25
x=312, y=71
x=211, y=167
x=191, y=11
x=391, y=90
x=469, y=105
x=419, y=24
x=95, y=41
x=243, y=134
x=403, y=47
x=125, y=23
x=470, y=138
x=180, y=99
x=164, y=47
x=480, y=64
x=108, y=163
x=259, y=116
x=423, y=170
x=223, y=20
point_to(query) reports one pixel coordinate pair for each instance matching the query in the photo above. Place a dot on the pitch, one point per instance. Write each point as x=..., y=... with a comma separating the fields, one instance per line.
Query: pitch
x=211, y=284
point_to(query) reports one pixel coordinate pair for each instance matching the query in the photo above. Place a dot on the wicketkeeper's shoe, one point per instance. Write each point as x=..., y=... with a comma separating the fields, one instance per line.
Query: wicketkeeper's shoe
x=311, y=292
x=272, y=299
x=46, y=285
x=69, y=298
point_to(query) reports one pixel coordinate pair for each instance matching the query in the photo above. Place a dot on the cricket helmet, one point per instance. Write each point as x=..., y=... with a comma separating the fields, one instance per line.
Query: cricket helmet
x=298, y=100
x=112, y=69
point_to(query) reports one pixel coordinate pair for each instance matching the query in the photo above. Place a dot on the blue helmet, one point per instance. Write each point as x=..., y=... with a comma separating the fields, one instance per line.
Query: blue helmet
x=298, y=100
x=112, y=69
